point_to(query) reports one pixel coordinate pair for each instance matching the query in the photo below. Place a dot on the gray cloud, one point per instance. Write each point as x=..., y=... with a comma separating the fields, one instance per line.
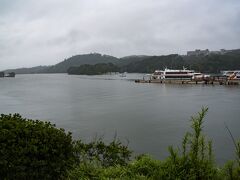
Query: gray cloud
x=45, y=32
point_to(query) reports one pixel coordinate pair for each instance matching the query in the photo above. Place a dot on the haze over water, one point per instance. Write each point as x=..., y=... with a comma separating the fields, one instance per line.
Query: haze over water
x=150, y=116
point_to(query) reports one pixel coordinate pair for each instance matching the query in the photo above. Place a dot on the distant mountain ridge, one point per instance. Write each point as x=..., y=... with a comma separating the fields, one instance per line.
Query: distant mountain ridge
x=32, y=70
x=212, y=63
x=74, y=61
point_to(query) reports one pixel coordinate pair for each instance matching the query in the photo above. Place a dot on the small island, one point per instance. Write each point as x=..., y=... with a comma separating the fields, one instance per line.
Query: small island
x=10, y=74
x=97, y=69
x=1, y=74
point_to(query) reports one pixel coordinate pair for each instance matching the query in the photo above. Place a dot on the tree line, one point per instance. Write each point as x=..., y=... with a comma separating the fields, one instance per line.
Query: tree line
x=213, y=63
x=96, y=69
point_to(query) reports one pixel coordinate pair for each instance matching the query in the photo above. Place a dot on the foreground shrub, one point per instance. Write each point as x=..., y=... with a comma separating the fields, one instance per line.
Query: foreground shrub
x=231, y=170
x=33, y=149
x=114, y=153
x=141, y=168
x=194, y=160
x=146, y=166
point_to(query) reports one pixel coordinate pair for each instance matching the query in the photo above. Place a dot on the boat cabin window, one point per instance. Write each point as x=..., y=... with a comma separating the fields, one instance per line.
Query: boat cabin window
x=184, y=72
x=178, y=77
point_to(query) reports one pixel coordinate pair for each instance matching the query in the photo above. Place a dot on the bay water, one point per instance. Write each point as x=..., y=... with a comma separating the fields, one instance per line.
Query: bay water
x=149, y=117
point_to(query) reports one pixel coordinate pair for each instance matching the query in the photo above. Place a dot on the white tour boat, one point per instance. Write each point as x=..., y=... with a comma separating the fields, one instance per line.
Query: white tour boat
x=182, y=74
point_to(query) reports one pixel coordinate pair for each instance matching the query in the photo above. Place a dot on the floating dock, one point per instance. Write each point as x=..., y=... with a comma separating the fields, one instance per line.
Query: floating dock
x=184, y=81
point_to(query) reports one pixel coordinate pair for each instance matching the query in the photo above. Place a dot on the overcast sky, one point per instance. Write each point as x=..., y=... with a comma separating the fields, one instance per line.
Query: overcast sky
x=44, y=32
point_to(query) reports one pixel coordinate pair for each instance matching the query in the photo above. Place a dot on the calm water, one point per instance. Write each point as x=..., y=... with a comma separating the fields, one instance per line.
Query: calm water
x=150, y=116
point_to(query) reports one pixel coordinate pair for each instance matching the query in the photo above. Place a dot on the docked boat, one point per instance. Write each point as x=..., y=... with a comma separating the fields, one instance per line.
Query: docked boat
x=183, y=74
x=232, y=74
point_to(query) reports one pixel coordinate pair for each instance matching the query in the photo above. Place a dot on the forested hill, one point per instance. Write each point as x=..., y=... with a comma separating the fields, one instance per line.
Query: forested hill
x=152, y=63
x=79, y=60
x=212, y=63
x=97, y=69
x=74, y=61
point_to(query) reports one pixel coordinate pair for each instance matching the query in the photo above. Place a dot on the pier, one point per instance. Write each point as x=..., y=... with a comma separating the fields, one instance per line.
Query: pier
x=212, y=81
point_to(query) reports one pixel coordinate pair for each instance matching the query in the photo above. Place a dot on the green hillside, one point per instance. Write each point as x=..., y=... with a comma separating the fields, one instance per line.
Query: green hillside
x=78, y=60
x=212, y=63
x=97, y=69
x=74, y=61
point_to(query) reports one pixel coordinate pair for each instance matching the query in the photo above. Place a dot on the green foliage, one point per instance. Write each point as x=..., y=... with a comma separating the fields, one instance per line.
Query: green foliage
x=87, y=170
x=232, y=168
x=96, y=69
x=78, y=60
x=33, y=149
x=114, y=153
x=238, y=153
x=231, y=171
x=146, y=166
x=151, y=63
x=142, y=168
x=195, y=159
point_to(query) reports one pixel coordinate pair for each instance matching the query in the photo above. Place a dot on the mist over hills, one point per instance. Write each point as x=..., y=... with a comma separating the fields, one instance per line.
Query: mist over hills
x=211, y=63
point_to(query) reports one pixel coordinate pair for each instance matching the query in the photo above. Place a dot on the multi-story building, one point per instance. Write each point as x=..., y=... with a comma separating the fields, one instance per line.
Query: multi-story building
x=198, y=52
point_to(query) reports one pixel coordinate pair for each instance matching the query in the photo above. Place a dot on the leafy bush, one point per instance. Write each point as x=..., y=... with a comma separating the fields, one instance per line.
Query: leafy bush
x=114, y=153
x=194, y=160
x=231, y=170
x=146, y=166
x=133, y=170
x=33, y=149
x=99, y=160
